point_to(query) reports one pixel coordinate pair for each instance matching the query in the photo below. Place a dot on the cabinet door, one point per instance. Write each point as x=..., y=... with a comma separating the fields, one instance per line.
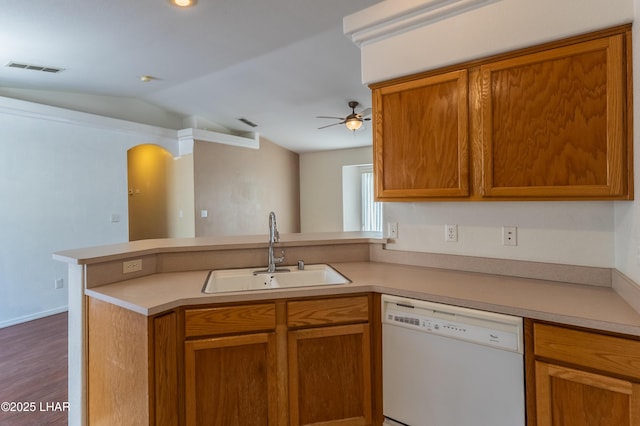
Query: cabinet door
x=571, y=397
x=420, y=142
x=554, y=123
x=330, y=376
x=231, y=381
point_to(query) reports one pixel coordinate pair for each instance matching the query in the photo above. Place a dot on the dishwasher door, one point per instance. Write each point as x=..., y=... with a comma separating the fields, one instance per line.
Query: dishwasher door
x=432, y=379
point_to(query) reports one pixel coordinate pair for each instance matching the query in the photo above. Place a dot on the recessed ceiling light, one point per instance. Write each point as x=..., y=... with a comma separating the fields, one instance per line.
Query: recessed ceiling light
x=183, y=3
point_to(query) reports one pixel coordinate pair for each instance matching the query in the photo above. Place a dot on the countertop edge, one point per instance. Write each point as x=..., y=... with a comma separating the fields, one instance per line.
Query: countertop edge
x=98, y=254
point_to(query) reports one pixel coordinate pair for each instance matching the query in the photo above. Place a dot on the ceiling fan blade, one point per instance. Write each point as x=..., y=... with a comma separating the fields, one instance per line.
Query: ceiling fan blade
x=365, y=112
x=329, y=125
x=325, y=116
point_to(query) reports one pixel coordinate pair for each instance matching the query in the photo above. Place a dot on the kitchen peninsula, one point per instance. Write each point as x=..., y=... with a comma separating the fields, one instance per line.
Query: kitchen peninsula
x=172, y=273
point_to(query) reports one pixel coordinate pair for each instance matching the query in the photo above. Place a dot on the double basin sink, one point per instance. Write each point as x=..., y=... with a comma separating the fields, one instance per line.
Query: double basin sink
x=226, y=280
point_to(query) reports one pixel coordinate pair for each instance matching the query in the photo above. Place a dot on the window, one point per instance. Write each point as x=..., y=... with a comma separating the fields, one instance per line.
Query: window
x=371, y=209
x=359, y=211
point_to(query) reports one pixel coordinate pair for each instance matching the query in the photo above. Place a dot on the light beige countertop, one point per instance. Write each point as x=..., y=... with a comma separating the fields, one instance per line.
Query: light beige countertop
x=589, y=306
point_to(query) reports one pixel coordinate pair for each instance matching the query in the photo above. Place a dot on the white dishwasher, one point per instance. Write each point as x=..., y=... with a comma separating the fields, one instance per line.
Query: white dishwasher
x=444, y=365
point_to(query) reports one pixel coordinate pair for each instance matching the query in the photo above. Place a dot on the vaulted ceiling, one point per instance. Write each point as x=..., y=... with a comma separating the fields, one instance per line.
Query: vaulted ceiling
x=277, y=63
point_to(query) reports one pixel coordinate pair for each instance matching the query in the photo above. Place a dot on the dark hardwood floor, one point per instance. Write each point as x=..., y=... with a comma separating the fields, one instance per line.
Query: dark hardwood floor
x=33, y=372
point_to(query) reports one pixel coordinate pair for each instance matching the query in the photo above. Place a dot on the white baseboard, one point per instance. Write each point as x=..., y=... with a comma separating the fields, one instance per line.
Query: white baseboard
x=34, y=316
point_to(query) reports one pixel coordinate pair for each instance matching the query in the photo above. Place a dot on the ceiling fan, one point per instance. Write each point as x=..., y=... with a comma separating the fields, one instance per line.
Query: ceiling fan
x=352, y=121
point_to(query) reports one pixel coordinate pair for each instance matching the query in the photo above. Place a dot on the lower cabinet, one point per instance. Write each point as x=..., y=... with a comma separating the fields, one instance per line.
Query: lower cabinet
x=276, y=363
x=329, y=361
x=231, y=380
x=289, y=362
x=329, y=376
x=584, y=378
x=316, y=361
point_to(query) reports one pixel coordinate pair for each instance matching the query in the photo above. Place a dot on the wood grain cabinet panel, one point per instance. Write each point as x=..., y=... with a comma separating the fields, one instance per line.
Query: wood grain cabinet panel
x=584, y=378
x=133, y=367
x=340, y=310
x=420, y=142
x=567, y=396
x=330, y=376
x=553, y=122
x=166, y=369
x=231, y=380
x=230, y=319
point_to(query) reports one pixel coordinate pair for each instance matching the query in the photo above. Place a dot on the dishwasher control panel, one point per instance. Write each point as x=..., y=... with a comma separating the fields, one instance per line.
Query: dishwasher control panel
x=480, y=327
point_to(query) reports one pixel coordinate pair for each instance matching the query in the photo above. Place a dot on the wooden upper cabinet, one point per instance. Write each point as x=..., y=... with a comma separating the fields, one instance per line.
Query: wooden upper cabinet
x=547, y=122
x=421, y=139
x=554, y=122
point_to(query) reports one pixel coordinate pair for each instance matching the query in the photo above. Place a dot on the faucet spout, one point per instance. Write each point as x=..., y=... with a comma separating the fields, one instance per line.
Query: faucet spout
x=274, y=237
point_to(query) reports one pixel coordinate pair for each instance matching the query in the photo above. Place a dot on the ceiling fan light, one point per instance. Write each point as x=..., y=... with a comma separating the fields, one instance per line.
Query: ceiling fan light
x=183, y=3
x=353, y=124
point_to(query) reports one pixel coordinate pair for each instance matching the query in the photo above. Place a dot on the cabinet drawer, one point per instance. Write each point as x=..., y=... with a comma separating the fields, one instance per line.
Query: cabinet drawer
x=232, y=319
x=301, y=313
x=605, y=353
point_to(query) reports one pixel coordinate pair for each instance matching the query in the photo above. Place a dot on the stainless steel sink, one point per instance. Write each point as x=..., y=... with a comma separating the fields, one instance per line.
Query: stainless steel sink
x=225, y=280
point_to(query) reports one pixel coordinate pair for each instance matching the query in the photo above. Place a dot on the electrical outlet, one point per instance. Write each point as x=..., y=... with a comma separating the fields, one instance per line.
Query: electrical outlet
x=131, y=266
x=58, y=283
x=451, y=233
x=509, y=236
x=393, y=230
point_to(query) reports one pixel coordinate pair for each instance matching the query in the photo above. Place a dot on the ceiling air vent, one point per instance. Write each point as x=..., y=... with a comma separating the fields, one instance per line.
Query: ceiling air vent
x=247, y=122
x=52, y=70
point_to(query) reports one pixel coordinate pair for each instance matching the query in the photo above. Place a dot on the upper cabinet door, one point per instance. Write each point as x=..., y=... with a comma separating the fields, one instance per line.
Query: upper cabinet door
x=420, y=140
x=554, y=123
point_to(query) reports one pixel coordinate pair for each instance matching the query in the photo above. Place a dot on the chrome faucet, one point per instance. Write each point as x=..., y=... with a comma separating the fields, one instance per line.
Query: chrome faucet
x=274, y=237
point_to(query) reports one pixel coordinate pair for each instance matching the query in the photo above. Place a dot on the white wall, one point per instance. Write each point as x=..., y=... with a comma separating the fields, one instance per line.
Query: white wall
x=181, y=198
x=321, y=187
x=578, y=233
x=627, y=215
x=62, y=175
x=497, y=26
